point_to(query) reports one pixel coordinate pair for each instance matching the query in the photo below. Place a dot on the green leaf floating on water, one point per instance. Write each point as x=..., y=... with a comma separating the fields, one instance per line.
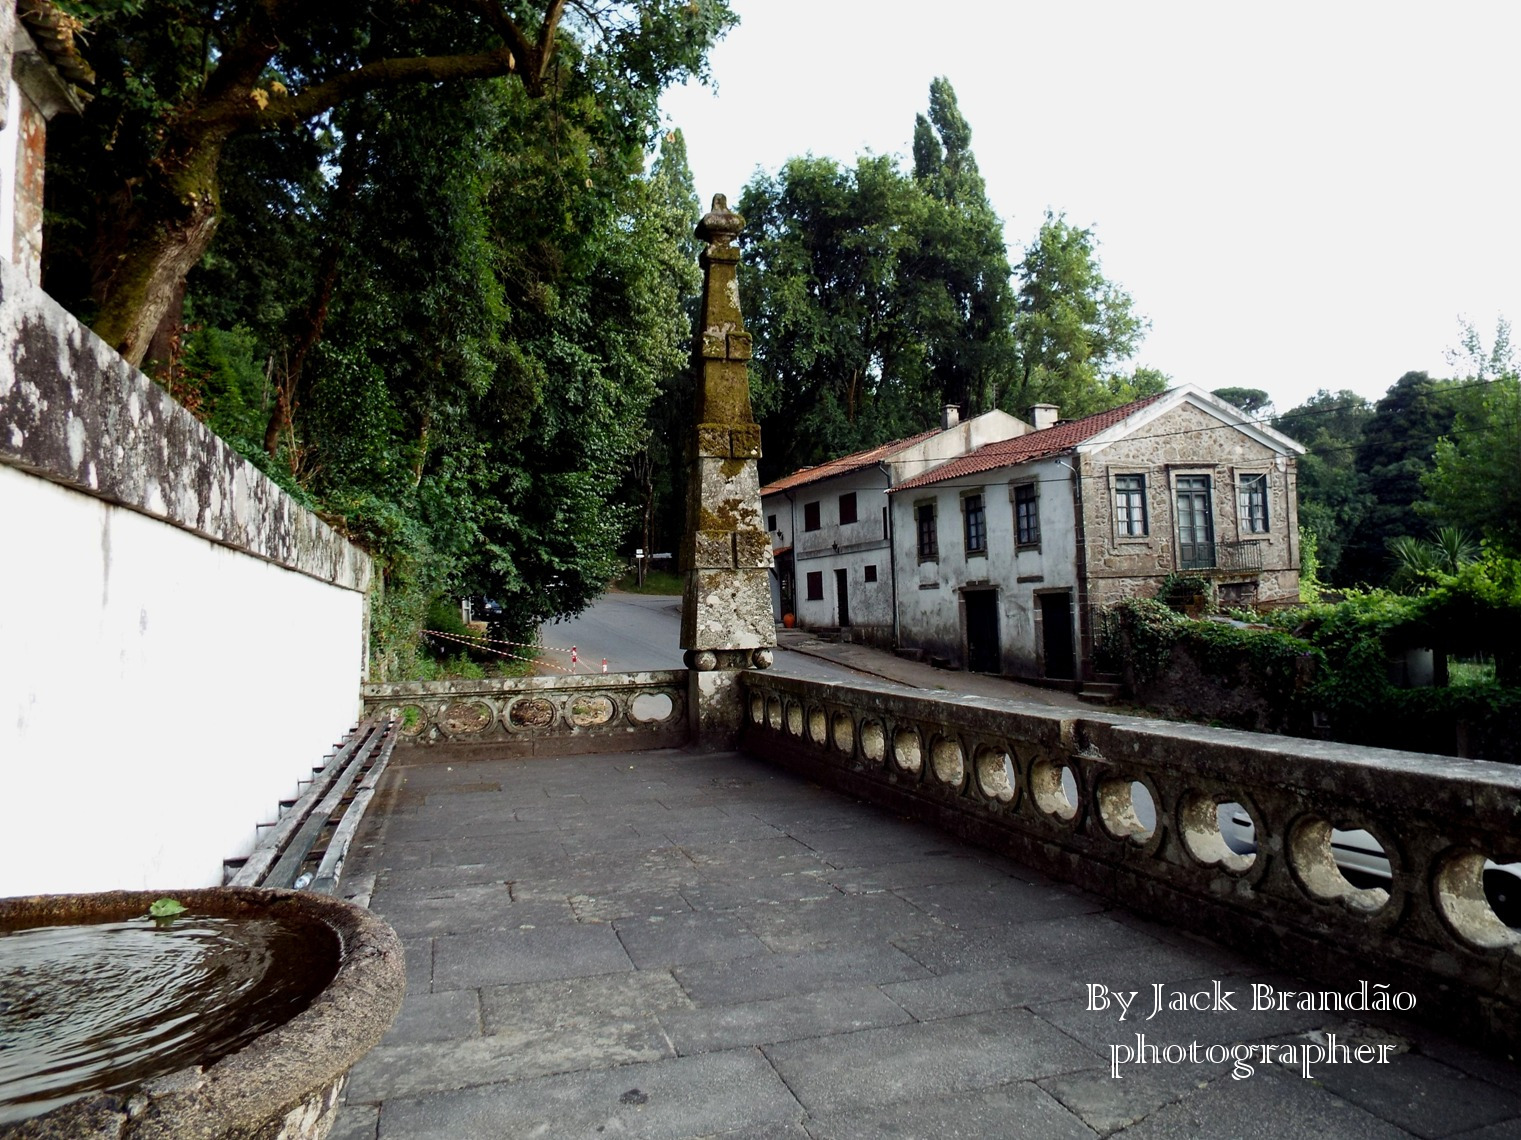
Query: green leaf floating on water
x=166, y=908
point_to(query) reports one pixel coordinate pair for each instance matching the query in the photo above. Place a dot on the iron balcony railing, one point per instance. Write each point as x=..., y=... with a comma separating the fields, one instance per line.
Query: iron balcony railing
x=1227, y=557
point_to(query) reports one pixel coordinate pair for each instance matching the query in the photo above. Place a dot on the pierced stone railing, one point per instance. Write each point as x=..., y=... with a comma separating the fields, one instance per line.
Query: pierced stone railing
x=527, y=715
x=1130, y=808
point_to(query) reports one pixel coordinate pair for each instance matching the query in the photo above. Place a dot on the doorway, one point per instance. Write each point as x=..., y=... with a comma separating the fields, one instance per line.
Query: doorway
x=982, y=649
x=1056, y=636
x=842, y=598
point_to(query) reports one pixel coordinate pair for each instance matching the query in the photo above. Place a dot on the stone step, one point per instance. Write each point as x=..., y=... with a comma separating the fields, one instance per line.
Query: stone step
x=1099, y=693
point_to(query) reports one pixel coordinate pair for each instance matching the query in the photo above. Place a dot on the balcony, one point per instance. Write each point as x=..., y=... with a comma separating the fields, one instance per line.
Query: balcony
x=1223, y=557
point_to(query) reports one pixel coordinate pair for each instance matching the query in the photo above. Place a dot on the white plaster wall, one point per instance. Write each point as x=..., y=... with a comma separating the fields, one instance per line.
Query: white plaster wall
x=929, y=612
x=159, y=693
x=851, y=547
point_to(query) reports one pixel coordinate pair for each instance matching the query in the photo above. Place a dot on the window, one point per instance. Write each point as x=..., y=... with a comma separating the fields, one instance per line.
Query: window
x=1130, y=505
x=811, y=516
x=929, y=540
x=848, y=508
x=770, y=522
x=1026, y=515
x=1196, y=537
x=975, y=522
x=1251, y=496
x=815, y=585
x=871, y=573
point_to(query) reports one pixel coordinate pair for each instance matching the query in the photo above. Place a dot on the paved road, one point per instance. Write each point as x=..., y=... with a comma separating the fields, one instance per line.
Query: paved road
x=641, y=631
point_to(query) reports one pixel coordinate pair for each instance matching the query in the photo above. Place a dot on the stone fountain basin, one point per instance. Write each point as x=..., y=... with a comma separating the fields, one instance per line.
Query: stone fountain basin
x=285, y=1083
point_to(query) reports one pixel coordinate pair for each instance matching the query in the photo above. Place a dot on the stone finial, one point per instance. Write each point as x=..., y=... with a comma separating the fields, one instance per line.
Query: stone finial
x=720, y=225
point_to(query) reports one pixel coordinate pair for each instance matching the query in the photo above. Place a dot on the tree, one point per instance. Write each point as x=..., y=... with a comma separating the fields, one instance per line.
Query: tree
x=1073, y=326
x=1396, y=450
x=957, y=277
x=1250, y=400
x=838, y=365
x=181, y=79
x=1333, y=495
x=1476, y=479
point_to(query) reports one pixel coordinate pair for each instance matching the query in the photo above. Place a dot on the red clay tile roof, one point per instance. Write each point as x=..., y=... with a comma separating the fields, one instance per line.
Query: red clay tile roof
x=1023, y=448
x=845, y=464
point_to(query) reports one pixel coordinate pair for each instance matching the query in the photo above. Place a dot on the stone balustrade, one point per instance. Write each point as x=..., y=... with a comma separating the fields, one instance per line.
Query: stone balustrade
x=527, y=715
x=1131, y=808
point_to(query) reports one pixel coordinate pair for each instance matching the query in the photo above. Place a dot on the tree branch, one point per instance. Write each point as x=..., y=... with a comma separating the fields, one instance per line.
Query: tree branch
x=281, y=110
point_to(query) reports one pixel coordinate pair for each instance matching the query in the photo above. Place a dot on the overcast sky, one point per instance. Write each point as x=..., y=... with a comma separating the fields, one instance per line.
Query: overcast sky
x=1298, y=195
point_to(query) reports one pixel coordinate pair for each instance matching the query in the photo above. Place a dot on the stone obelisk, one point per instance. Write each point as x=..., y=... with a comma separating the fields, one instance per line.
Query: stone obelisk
x=726, y=621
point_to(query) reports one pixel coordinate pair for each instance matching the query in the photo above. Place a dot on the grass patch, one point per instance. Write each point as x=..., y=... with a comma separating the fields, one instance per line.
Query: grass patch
x=655, y=582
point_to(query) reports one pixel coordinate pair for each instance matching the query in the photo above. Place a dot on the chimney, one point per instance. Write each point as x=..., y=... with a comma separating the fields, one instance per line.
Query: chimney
x=1044, y=416
x=950, y=416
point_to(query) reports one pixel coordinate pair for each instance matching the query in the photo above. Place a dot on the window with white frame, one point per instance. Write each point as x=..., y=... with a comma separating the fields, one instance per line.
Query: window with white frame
x=1252, y=501
x=1130, y=506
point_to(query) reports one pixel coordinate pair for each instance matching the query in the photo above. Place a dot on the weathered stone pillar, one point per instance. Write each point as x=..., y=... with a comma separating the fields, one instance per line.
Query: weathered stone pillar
x=726, y=622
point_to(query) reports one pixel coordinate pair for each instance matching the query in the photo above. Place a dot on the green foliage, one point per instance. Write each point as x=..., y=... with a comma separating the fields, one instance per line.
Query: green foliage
x=837, y=366
x=1333, y=494
x=1477, y=608
x=1180, y=588
x=957, y=278
x=1310, y=585
x=1396, y=450
x=1137, y=636
x=1421, y=562
x=1074, y=327
x=1475, y=481
x=1141, y=636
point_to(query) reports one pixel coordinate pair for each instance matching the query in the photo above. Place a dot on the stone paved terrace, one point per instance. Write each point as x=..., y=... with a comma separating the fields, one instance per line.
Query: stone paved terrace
x=666, y=944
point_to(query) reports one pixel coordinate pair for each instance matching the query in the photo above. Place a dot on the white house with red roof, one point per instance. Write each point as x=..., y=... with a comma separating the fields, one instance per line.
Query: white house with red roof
x=1004, y=556
x=830, y=528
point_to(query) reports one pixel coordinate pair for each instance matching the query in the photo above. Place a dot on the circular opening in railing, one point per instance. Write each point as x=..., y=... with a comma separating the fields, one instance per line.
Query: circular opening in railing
x=948, y=761
x=1218, y=833
x=1349, y=866
x=1127, y=809
x=873, y=740
x=531, y=712
x=1480, y=899
x=1055, y=789
x=818, y=726
x=844, y=732
x=794, y=718
x=413, y=718
x=586, y=712
x=460, y=718
x=757, y=709
x=774, y=712
x=995, y=773
x=908, y=750
x=650, y=708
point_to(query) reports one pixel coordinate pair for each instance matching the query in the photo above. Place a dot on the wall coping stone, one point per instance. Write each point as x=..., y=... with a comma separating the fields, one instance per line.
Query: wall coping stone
x=74, y=412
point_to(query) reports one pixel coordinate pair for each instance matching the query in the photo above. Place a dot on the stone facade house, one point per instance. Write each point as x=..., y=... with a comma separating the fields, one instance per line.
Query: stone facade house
x=831, y=530
x=1004, y=557
x=40, y=70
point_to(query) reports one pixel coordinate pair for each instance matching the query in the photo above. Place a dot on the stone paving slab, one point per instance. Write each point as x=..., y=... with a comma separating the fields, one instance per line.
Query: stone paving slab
x=664, y=944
